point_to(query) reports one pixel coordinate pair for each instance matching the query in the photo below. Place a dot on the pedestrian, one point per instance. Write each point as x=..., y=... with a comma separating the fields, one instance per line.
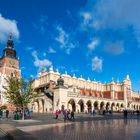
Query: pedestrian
x=29, y=113
x=68, y=113
x=103, y=112
x=110, y=112
x=78, y=111
x=56, y=114
x=125, y=114
x=65, y=115
x=1, y=114
x=137, y=112
x=7, y=114
x=72, y=115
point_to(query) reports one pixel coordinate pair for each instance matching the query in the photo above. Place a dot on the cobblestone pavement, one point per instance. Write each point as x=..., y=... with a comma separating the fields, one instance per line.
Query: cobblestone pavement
x=118, y=129
x=2, y=135
x=85, y=127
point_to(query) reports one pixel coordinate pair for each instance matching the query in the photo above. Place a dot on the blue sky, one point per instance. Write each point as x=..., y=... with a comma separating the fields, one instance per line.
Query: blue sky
x=99, y=39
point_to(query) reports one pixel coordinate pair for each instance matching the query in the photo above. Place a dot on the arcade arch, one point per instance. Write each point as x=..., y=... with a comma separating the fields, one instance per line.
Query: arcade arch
x=122, y=106
x=71, y=105
x=96, y=103
x=113, y=106
x=89, y=105
x=39, y=105
x=107, y=106
x=81, y=104
x=102, y=105
x=117, y=106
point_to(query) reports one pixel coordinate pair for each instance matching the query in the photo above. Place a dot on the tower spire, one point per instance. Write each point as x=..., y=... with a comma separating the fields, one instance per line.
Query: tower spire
x=9, y=50
x=10, y=43
x=10, y=36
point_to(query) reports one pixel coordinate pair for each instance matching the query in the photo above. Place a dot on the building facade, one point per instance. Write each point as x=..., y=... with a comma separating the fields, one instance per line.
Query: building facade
x=62, y=91
x=9, y=65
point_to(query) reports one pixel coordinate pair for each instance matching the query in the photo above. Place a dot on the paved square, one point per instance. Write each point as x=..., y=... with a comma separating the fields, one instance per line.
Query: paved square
x=117, y=129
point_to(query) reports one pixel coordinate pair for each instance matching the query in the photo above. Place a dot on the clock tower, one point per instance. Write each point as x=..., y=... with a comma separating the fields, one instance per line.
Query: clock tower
x=9, y=65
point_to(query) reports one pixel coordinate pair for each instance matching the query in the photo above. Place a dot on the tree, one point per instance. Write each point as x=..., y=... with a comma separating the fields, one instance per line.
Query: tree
x=3, y=107
x=19, y=92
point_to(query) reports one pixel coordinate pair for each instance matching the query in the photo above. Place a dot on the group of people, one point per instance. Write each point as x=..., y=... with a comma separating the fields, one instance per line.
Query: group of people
x=66, y=114
x=130, y=112
x=101, y=112
x=2, y=114
x=125, y=112
x=18, y=114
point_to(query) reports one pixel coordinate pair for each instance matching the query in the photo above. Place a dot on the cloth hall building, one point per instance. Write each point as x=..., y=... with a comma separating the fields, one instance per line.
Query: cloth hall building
x=62, y=91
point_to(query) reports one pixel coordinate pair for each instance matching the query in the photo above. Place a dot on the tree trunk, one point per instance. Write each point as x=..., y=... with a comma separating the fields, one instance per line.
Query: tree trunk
x=23, y=114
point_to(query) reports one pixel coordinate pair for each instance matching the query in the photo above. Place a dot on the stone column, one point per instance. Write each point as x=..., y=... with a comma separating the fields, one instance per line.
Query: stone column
x=85, y=108
x=40, y=108
x=92, y=107
x=130, y=105
x=98, y=106
x=77, y=108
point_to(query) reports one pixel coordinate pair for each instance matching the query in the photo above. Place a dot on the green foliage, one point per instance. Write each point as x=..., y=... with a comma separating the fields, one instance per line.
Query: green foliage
x=3, y=107
x=19, y=92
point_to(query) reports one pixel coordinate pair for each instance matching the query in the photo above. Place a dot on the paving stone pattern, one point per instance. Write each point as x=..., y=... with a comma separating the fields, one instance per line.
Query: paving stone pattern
x=90, y=130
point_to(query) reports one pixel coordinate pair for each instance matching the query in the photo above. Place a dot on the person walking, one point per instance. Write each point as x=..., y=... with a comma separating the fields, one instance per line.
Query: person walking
x=56, y=114
x=1, y=114
x=68, y=113
x=72, y=116
x=93, y=112
x=7, y=114
x=125, y=114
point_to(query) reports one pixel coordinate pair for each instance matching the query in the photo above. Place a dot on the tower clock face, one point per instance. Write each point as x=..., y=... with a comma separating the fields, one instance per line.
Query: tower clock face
x=12, y=62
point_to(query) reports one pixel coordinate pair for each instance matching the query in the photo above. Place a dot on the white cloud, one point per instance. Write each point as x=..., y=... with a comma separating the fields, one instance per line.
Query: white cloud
x=34, y=54
x=64, y=40
x=32, y=76
x=116, y=13
x=71, y=46
x=97, y=64
x=44, y=54
x=87, y=17
x=40, y=63
x=112, y=14
x=8, y=26
x=62, y=37
x=93, y=44
x=51, y=50
x=114, y=48
x=86, y=20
